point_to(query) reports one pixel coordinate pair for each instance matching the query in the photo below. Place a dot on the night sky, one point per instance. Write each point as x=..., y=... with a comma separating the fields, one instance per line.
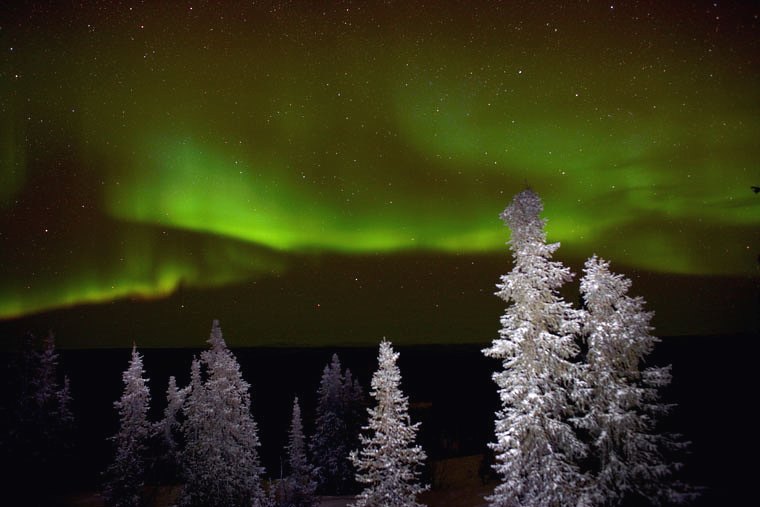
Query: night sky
x=317, y=173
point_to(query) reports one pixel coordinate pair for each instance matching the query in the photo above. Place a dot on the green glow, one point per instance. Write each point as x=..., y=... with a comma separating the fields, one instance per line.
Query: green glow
x=138, y=263
x=190, y=186
x=306, y=134
x=667, y=165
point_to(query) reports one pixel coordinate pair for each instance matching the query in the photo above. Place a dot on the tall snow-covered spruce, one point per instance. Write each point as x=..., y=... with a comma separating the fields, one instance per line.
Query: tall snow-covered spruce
x=36, y=426
x=298, y=488
x=220, y=458
x=388, y=462
x=623, y=406
x=167, y=444
x=536, y=449
x=126, y=475
x=340, y=400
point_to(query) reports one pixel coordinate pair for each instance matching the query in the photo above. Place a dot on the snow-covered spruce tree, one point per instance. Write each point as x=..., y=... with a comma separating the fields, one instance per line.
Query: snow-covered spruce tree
x=388, y=462
x=623, y=405
x=55, y=420
x=55, y=399
x=355, y=409
x=64, y=414
x=167, y=435
x=197, y=430
x=299, y=487
x=536, y=449
x=126, y=475
x=337, y=427
x=36, y=421
x=220, y=459
x=328, y=445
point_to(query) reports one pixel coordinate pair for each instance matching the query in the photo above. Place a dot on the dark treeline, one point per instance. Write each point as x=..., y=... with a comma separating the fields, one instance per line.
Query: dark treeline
x=449, y=387
x=450, y=391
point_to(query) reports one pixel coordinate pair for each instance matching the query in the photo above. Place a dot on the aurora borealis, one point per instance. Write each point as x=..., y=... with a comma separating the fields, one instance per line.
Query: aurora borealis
x=152, y=148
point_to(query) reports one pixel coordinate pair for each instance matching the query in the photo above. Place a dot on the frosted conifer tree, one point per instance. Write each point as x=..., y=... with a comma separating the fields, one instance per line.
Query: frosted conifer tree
x=63, y=398
x=337, y=426
x=48, y=392
x=167, y=434
x=623, y=396
x=53, y=400
x=126, y=475
x=355, y=409
x=388, y=462
x=220, y=459
x=170, y=423
x=197, y=431
x=298, y=488
x=36, y=429
x=46, y=403
x=536, y=450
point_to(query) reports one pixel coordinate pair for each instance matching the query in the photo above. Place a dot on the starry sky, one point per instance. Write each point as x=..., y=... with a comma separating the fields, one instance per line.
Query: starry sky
x=332, y=172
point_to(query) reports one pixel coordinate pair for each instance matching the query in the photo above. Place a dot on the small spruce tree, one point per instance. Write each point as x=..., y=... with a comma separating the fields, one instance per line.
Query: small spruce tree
x=388, y=462
x=337, y=426
x=355, y=409
x=126, y=474
x=55, y=420
x=167, y=436
x=536, y=448
x=299, y=487
x=36, y=422
x=197, y=429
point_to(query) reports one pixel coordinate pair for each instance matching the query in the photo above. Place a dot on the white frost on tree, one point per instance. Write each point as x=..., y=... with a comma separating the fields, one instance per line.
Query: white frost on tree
x=44, y=406
x=388, y=462
x=623, y=395
x=220, y=458
x=63, y=398
x=170, y=423
x=55, y=399
x=536, y=449
x=36, y=425
x=355, y=408
x=337, y=426
x=299, y=487
x=197, y=431
x=126, y=475
x=167, y=435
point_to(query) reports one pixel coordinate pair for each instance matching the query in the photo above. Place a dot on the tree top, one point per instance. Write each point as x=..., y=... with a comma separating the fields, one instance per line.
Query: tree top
x=216, y=340
x=524, y=208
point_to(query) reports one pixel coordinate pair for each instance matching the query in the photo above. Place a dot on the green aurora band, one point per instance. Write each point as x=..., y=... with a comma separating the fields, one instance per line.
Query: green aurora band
x=257, y=134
